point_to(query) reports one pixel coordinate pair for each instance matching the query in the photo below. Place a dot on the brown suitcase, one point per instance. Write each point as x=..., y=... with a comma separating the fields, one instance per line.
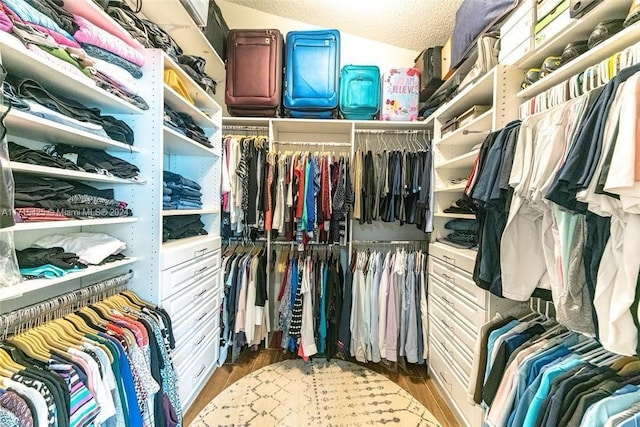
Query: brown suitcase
x=254, y=73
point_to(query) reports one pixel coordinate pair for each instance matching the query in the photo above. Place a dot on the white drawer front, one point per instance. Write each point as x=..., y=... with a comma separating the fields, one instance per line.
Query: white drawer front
x=448, y=344
x=470, y=313
x=173, y=256
x=459, y=281
x=457, y=330
x=464, y=260
x=192, y=376
x=186, y=349
x=450, y=376
x=193, y=297
x=524, y=9
x=194, y=321
x=175, y=280
x=553, y=28
x=515, y=36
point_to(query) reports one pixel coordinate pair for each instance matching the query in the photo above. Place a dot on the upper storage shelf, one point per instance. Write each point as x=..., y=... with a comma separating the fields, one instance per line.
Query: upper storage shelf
x=478, y=93
x=36, y=128
x=618, y=42
x=201, y=98
x=579, y=29
x=172, y=17
x=20, y=62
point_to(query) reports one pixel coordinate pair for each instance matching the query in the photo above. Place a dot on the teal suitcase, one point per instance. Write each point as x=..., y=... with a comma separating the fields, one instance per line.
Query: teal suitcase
x=360, y=92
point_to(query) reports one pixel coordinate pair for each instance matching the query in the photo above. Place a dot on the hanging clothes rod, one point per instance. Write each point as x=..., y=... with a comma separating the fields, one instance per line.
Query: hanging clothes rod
x=236, y=127
x=328, y=144
x=283, y=243
x=390, y=242
x=394, y=132
x=61, y=305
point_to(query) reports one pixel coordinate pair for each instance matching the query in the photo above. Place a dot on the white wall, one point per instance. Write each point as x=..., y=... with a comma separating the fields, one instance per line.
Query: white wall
x=354, y=50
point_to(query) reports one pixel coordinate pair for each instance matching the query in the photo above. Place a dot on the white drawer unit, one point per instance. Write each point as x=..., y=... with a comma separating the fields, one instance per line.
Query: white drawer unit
x=179, y=254
x=193, y=375
x=459, y=281
x=193, y=297
x=452, y=381
x=517, y=29
x=176, y=279
x=195, y=340
x=457, y=310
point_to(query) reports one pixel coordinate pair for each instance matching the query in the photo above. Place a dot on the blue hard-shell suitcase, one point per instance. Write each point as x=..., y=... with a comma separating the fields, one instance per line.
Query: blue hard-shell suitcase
x=311, y=80
x=360, y=92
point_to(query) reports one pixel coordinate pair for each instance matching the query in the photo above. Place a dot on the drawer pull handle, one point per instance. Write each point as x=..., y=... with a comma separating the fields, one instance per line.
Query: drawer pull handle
x=199, y=341
x=445, y=275
x=201, y=317
x=201, y=371
x=199, y=295
x=200, y=270
x=443, y=377
x=200, y=251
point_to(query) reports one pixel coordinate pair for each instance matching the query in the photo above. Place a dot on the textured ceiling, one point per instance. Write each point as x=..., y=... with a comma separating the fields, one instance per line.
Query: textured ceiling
x=411, y=24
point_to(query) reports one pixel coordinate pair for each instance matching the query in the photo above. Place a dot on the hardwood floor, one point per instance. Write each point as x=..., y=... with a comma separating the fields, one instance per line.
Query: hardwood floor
x=416, y=381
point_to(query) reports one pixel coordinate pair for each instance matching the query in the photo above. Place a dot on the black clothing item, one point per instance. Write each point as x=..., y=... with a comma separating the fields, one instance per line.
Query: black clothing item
x=261, y=281
x=18, y=153
x=95, y=161
x=184, y=124
x=182, y=226
x=194, y=66
x=36, y=257
x=344, y=332
x=368, y=192
x=30, y=89
x=572, y=398
x=500, y=365
x=334, y=306
x=590, y=397
x=598, y=232
x=461, y=206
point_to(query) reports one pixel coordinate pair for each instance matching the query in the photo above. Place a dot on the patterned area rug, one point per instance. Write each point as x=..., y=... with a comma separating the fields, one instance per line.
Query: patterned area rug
x=319, y=393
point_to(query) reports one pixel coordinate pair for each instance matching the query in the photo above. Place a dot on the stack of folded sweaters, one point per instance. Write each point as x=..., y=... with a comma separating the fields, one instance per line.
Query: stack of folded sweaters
x=183, y=123
x=56, y=255
x=45, y=199
x=75, y=46
x=85, y=160
x=464, y=233
x=183, y=226
x=180, y=193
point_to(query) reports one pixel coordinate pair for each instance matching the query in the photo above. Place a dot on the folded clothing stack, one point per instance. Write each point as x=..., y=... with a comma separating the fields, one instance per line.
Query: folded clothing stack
x=56, y=255
x=183, y=123
x=84, y=159
x=75, y=45
x=183, y=226
x=28, y=95
x=97, y=161
x=461, y=206
x=464, y=233
x=194, y=66
x=74, y=200
x=180, y=192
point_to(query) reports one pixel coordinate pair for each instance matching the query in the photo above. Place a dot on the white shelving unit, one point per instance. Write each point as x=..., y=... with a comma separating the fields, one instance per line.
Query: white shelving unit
x=190, y=212
x=172, y=16
x=43, y=284
x=51, y=225
x=68, y=174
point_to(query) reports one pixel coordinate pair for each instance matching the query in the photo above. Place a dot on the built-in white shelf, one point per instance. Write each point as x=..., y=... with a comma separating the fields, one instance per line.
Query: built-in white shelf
x=317, y=126
x=67, y=174
x=19, y=62
x=391, y=125
x=454, y=215
x=178, y=212
x=172, y=16
x=178, y=103
x=578, y=29
x=464, y=161
x=177, y=144
x=604, y=50
x=46, y=225
x=452, y=189
x=477, y=93
x=28, y=126
x=471, y=133
x=200, y=97
x=37, y=284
